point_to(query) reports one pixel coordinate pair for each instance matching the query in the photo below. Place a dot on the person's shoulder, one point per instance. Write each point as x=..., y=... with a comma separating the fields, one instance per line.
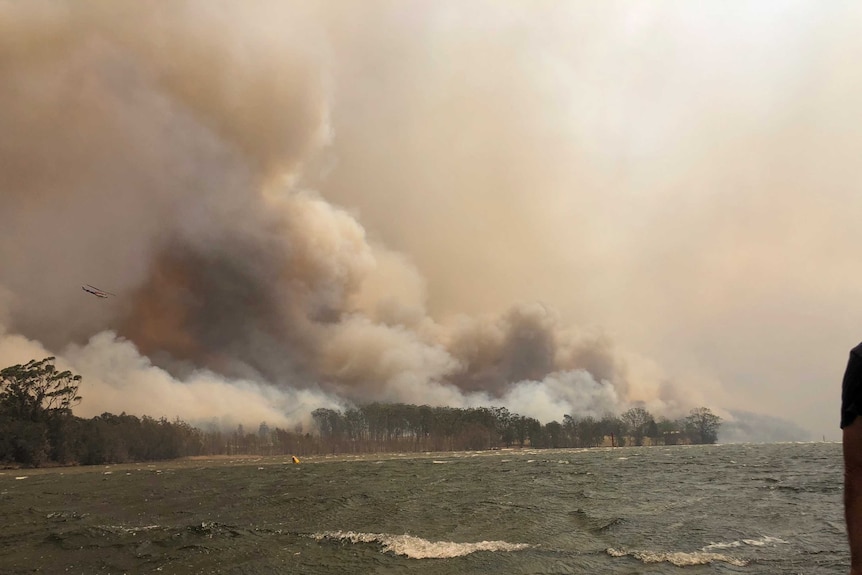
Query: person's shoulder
x=857, y=350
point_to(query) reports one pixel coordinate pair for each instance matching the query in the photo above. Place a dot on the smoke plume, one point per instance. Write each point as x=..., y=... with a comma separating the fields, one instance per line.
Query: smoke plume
x=256, y=183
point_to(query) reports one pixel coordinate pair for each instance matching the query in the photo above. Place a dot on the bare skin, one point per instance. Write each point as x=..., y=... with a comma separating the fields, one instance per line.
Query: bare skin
x=852, y=444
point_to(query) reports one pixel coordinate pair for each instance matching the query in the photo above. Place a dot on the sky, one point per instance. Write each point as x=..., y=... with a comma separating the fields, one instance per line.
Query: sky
x=559, y=207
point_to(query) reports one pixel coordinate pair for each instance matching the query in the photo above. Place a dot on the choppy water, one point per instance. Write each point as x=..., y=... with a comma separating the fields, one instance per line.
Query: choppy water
x=658, y=510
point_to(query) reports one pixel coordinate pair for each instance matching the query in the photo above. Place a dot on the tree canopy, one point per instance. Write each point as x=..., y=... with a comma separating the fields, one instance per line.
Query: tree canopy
x=35, y=405
x=704, y=423
x=36, y=391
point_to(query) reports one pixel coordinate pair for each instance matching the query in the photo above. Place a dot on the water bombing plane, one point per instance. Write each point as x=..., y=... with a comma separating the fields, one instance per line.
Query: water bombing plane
x=96, y=291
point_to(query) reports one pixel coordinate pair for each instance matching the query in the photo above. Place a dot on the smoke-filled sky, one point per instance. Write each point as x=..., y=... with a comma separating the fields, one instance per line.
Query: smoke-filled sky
x=559, y=207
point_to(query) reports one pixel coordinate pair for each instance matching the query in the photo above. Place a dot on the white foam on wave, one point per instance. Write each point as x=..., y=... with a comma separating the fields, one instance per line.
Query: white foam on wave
x=763, y=541
x=678, y=558
x=418, y=548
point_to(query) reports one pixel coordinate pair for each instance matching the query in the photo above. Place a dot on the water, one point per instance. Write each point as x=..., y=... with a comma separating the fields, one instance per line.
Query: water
x=658, y=510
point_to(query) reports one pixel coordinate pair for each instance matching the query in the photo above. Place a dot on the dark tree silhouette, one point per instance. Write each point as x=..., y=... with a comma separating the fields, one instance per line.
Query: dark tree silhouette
x=636, y=423
x=35, y=409
x=36, y=391
x=704, y=424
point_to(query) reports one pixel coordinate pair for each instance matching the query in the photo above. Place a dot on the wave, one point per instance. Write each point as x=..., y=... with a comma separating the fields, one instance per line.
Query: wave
x=678, y=558
x=418, y=548
x=763, y=541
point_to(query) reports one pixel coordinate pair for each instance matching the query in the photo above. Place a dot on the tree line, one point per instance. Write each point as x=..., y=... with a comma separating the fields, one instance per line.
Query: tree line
x=37, y=427
x=405, y=427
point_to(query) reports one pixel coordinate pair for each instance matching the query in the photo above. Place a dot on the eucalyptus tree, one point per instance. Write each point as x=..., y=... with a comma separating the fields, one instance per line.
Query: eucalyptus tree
x=703, y=424
x=636, y=422
x=37, y=391
x=36, y=401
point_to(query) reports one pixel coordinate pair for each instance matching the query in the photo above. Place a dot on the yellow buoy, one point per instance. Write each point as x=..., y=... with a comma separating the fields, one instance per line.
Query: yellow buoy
x=295, y=459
